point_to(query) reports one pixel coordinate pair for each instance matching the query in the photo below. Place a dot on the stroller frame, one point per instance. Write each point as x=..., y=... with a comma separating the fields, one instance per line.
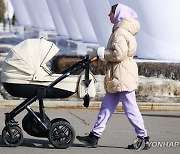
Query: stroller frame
x=12, y=133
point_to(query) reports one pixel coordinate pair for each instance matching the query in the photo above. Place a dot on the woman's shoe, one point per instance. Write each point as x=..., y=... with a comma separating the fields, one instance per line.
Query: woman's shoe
x=140, y=144
x=90, y=140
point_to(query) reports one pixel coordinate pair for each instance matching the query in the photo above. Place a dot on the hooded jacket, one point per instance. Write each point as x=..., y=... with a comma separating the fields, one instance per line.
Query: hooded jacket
x=121, y=68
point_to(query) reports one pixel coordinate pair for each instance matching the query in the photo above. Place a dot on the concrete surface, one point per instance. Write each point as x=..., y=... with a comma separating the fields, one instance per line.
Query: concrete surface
x=163, y=129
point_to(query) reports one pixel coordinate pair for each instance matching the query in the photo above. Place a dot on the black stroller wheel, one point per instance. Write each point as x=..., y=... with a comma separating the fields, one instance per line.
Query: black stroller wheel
x=61, y=135
x=16, y=138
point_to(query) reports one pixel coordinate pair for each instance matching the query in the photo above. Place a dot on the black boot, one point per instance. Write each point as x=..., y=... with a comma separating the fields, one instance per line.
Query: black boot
x=140, y=144
x=90, y=140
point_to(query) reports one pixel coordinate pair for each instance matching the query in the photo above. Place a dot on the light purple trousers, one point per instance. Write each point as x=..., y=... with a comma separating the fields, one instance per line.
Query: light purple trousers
x=131, y=110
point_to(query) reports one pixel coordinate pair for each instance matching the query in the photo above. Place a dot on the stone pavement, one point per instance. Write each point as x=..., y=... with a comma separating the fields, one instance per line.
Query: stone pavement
x=163, y=129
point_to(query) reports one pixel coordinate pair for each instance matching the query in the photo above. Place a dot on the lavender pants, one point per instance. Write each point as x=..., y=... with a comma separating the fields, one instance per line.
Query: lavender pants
x=131, y=110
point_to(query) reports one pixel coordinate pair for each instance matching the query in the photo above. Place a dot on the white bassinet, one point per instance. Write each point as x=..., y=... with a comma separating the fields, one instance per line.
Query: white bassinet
x=25, y=64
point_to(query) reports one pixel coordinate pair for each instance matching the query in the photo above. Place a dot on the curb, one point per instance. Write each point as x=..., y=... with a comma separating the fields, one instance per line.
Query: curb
x=94, y=105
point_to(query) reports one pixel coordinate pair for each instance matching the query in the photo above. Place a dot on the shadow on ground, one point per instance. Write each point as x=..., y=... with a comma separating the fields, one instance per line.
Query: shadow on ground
x=42, y=143
x=155, y=115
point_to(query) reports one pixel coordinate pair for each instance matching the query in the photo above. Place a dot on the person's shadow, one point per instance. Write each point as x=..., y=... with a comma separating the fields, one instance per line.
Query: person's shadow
x=99, y=146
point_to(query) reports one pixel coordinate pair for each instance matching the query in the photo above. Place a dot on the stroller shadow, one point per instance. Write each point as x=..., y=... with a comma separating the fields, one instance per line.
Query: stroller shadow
x=27, y=142
x=37, y=143
x=42, y=143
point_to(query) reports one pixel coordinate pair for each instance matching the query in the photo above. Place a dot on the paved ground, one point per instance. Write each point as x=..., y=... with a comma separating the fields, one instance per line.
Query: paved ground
x=163, y=128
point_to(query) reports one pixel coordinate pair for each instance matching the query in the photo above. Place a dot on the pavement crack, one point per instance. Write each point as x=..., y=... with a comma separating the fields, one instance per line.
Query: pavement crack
x=82, y=120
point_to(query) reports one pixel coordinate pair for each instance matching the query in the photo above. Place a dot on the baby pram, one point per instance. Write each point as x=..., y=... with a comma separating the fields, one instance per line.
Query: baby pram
x=25, y=74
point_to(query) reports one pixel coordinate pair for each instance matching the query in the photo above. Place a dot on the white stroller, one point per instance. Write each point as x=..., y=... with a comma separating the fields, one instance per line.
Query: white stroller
x=25, y=74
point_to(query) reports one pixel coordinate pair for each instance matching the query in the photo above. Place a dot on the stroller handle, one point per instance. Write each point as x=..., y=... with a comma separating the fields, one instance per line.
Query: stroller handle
x=93, y=59
x=81, y=64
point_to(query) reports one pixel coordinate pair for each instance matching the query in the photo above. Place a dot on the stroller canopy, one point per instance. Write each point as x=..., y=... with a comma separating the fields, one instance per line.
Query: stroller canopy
x=27, y=61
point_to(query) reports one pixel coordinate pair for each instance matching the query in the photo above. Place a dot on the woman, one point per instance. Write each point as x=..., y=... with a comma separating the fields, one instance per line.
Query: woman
x=121, y=78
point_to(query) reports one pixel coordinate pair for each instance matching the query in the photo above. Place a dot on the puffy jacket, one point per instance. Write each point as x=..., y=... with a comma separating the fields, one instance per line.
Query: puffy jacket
x=121, y=68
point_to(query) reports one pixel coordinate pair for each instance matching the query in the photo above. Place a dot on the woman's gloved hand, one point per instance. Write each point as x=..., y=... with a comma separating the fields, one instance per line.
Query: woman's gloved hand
x=100, y=53
x=97, y=57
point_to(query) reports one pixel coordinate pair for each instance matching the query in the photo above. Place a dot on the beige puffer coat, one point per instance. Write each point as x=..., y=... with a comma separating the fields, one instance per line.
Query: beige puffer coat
x=121, y=69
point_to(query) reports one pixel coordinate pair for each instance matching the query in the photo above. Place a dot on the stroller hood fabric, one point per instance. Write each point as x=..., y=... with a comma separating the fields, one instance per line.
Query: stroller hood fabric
x=26, y=64
x=27, y=61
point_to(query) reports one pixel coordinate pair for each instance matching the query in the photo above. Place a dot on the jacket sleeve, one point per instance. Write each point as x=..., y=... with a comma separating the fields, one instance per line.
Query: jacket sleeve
x=119, y=49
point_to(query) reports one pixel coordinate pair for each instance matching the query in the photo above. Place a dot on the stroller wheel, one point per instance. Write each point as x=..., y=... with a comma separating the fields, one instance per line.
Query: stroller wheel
x=61, y=135
x=14, y=137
